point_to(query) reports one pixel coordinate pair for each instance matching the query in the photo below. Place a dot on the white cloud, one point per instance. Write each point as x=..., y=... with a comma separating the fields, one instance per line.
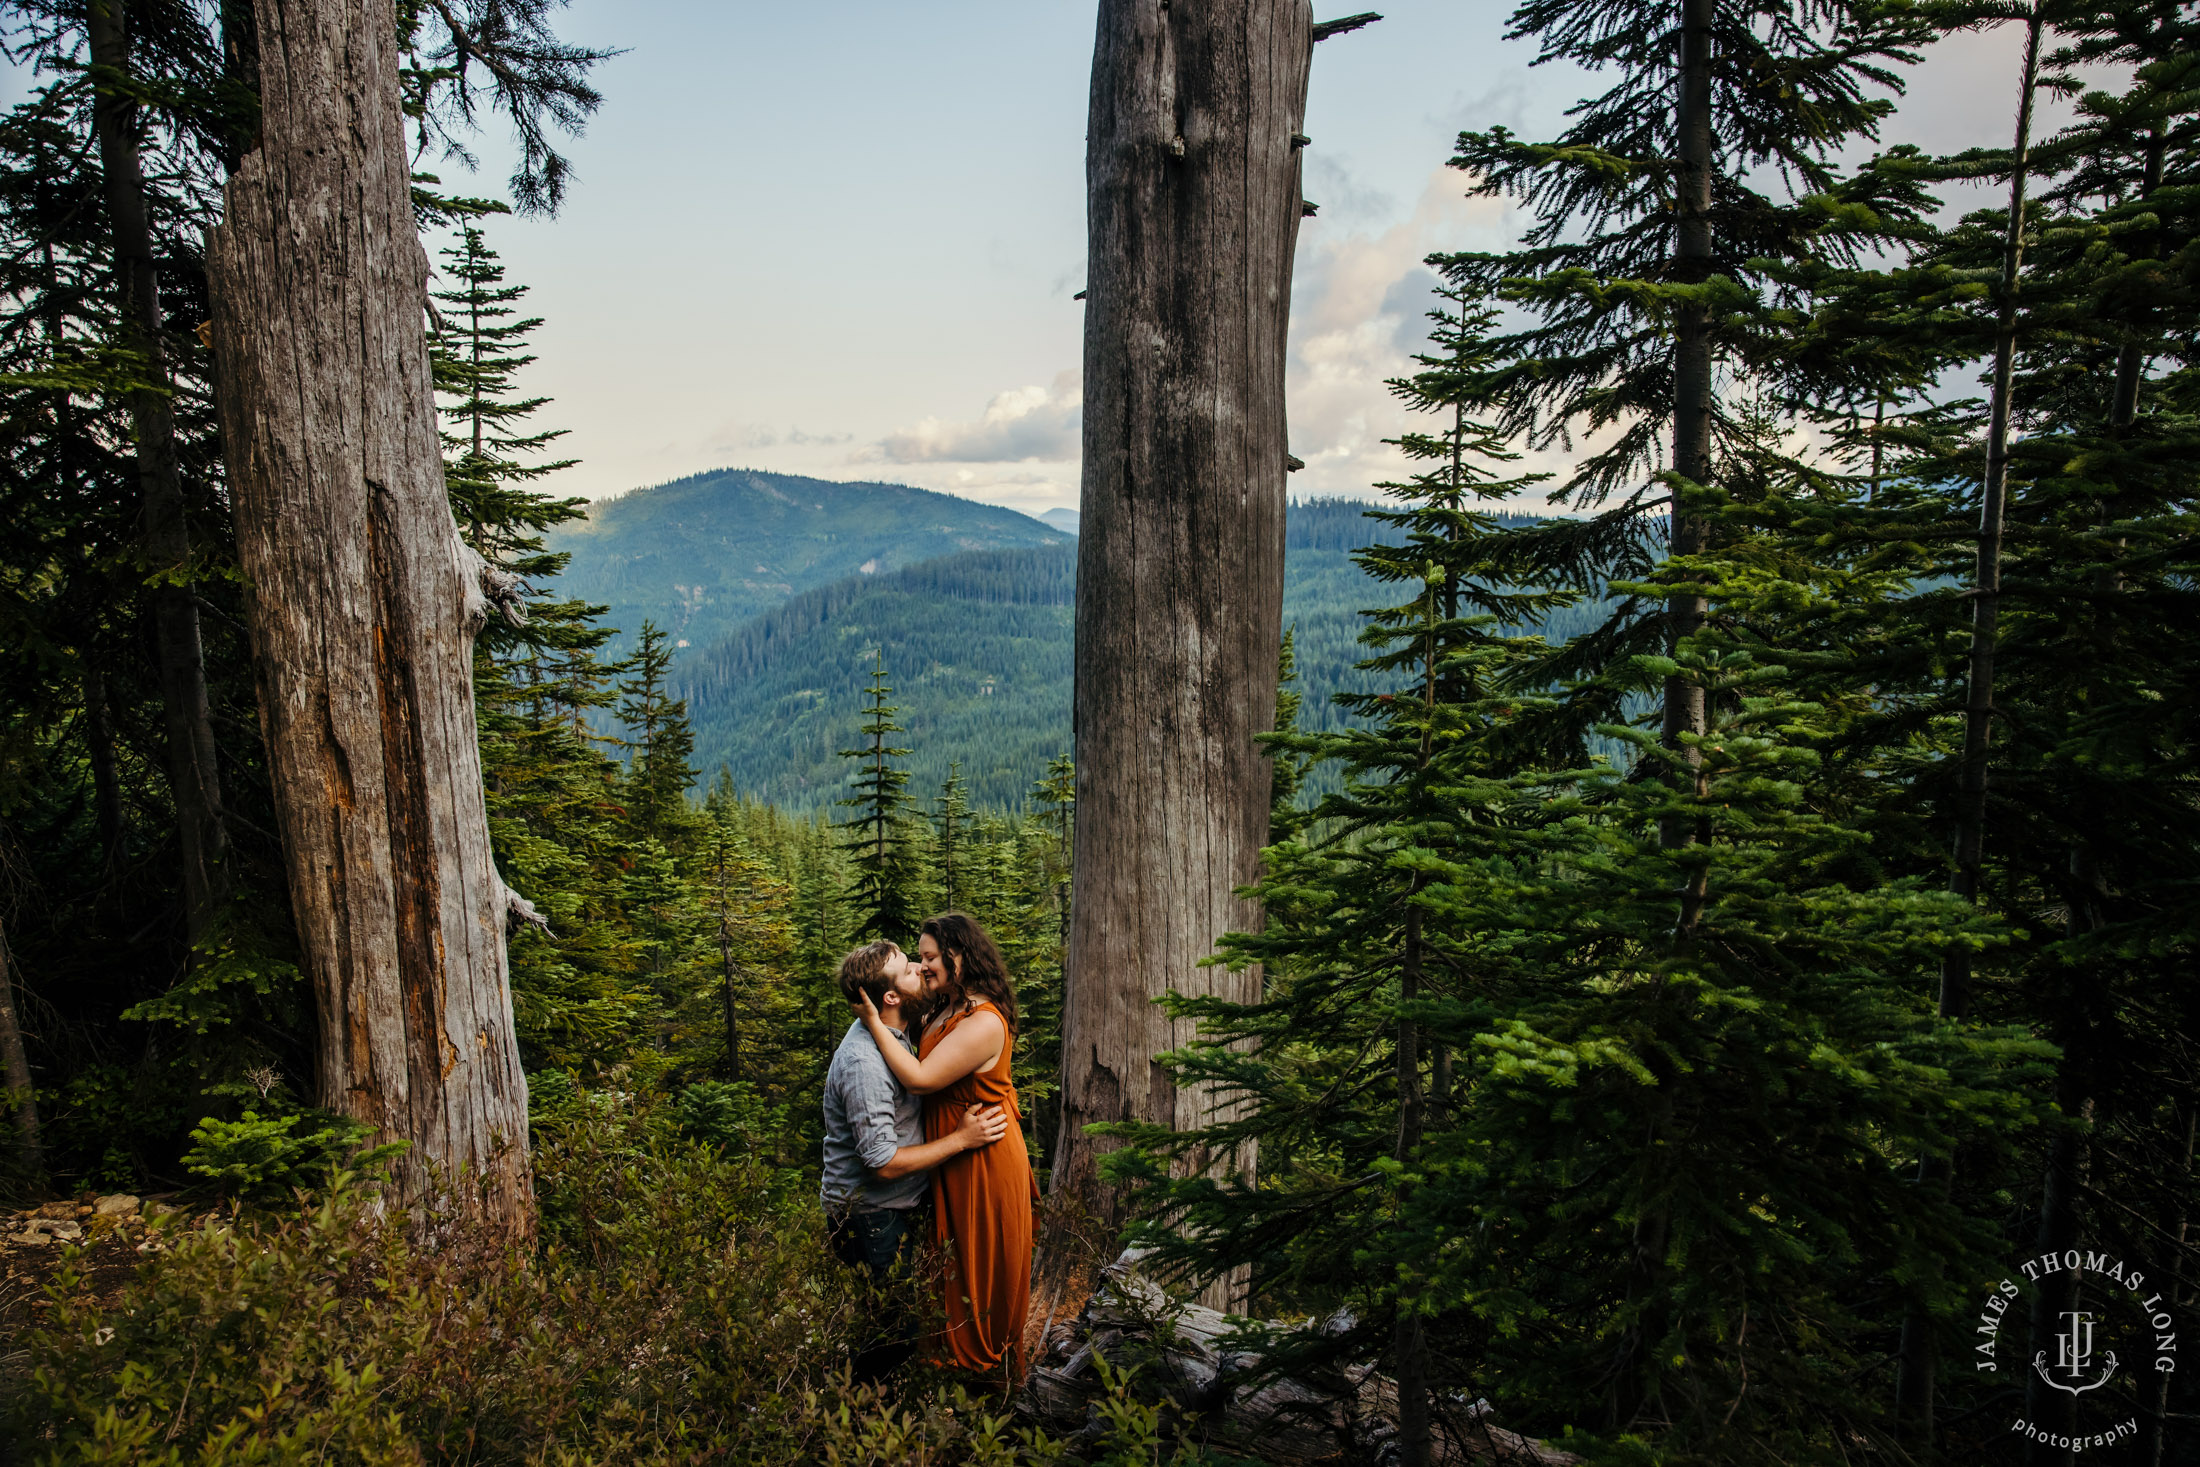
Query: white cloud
x=1021, y=425
x=1357, y=307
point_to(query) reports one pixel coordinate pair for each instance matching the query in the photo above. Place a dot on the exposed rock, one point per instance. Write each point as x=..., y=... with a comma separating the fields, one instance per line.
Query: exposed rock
x=120, y=1204
x=1337, y=1416
x=50, y=1230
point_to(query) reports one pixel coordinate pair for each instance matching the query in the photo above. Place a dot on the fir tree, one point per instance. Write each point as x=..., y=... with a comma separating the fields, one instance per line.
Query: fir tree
x=659, y=739
x=490, y=459
x=1056, y=797
x=951, y=824
x=1643, y=278
x=1586, y=1200
x=875, y=836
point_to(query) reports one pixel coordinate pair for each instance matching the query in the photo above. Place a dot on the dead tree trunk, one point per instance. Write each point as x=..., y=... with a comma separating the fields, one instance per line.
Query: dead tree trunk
x=364, y=605
x=1193, y=177
x=15, y=1065
x=193, y=776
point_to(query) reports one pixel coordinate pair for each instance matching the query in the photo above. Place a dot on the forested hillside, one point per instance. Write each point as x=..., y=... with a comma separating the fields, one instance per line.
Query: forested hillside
x=977, y=649
x=700, y=555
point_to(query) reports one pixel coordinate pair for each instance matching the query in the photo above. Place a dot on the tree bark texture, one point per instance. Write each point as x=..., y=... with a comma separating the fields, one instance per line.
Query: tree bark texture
x=1193, y=182
x=15, y=1065
x=1684, y=711
x=194, y=778
x=364, y=604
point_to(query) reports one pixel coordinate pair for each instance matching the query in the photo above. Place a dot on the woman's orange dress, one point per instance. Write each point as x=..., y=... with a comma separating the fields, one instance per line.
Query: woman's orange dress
x=981, y=1215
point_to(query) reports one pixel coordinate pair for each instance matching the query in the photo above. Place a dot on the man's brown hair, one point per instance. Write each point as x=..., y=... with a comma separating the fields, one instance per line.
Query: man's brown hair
x=864, y=971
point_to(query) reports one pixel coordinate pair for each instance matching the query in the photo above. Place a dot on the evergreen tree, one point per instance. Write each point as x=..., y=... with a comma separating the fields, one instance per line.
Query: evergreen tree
x=1643, y=281
x=875, y=836
x=490, y=458
x=1056, y=797
x=659, y=739
x=1595, y=1196
x=951, y=824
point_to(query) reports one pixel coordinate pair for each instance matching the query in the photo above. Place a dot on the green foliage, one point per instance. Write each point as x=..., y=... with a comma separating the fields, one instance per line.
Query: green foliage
x=980, y=647
x=677, y=1304
x=877, y=835
x=262, y=1159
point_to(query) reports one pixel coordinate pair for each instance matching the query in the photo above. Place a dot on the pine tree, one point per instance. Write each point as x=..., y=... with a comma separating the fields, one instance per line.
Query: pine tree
x=660, y=740
x=1644, y=278
x=1056, y=797
x=1596, y=1194
x=950, y=824
x=875, y=836
x=490, y=459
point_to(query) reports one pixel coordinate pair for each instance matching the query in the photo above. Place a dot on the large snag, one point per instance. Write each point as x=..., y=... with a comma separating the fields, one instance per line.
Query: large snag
x=1192, y=168
x=364, y=604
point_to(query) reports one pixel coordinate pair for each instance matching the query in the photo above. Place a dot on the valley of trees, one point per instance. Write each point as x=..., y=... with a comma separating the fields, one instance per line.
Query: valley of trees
x=1685, y=927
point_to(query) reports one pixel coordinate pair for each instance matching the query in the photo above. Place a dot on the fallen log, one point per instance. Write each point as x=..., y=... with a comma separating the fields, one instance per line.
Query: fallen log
x=1346, y=1415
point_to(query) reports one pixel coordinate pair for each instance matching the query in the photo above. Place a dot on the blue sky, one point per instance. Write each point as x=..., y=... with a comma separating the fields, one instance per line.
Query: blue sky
x=841, y=238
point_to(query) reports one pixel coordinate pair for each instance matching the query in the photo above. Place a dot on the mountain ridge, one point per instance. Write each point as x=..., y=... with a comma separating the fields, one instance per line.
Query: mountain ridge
x=701, y=554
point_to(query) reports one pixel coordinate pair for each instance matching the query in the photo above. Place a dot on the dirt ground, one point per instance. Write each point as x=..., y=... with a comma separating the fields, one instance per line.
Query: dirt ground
x=35, y=1242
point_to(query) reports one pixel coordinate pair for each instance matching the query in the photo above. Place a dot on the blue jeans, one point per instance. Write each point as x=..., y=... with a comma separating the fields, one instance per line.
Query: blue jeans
x=881, y=1243
x=877, y=1241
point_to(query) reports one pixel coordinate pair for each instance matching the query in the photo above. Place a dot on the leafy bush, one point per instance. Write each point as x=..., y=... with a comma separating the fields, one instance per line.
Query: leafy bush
x=678, y=1305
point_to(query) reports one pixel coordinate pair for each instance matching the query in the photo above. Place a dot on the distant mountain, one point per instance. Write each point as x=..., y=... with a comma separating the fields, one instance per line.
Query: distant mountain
x=976, y=645
x=1064, y=520
x=978, y=649
x=702, y=555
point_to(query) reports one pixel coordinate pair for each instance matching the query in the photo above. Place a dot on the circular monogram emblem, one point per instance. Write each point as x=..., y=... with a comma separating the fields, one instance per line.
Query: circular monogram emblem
x=2086, y=1337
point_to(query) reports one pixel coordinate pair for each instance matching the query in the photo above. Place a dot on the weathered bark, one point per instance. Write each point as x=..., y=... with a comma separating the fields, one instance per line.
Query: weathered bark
x=194, y=777
x=364, y=603
x=1193, y=180
x=1692, y=370
x=15, y=1065
x=1915, y=1366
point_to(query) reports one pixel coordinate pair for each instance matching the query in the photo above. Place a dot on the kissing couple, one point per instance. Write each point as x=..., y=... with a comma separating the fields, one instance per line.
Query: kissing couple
x=921, y=1118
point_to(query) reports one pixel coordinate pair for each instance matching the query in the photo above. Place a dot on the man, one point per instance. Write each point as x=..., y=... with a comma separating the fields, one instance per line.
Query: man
x=877, y=1162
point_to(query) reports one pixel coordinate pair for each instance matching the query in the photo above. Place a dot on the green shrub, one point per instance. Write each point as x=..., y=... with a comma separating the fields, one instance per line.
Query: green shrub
x=678, y=1305
x=261, y=1158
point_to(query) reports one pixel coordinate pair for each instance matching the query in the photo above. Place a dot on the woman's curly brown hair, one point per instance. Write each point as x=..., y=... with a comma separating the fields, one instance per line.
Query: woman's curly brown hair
x=973, y=966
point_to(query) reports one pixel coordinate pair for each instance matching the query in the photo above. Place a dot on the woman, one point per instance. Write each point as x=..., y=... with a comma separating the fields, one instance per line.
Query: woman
x=981, y=1200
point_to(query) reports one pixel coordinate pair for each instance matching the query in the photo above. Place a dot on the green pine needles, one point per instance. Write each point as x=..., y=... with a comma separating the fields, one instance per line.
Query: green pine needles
x=1616, y=1131
x=880, y=846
